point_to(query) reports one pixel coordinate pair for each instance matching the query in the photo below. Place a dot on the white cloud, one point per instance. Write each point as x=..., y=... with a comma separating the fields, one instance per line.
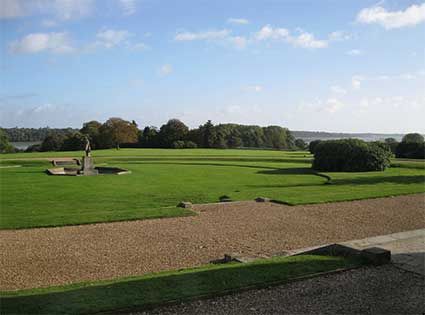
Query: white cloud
x=338, y=90
x=237, y=21
x=129, y=6
x=208, y=35
x=307, y=40
x=61, y=9
x=354, y=52
x=268, y=32
x=108, y=38
x=38, y=42
x=411, y=16
x=165, y=70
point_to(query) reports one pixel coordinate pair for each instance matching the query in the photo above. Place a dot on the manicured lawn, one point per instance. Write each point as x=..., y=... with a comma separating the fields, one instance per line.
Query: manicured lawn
x=162, y=178
x=139, y=292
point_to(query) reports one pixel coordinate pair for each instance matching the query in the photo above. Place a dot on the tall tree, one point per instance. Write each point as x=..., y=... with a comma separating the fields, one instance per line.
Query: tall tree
x=5, y=146
x=149, y=137
x=413, y=138
x=92, y=130
x=53, y=142
x=173, y=130
x=116, y=131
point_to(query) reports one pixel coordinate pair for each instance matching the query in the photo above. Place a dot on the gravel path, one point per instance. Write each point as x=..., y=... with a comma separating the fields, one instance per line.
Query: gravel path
x=374, y=290
x=52, y=256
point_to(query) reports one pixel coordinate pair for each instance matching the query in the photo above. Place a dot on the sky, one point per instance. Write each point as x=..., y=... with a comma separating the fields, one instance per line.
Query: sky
x=329, y=65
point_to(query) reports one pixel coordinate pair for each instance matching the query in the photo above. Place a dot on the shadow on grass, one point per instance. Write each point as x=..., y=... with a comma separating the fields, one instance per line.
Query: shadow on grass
x=184, y=158
x=161, y=288
x=413, y=179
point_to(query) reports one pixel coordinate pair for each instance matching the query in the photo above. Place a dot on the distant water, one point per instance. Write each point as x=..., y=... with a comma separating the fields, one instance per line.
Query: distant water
x=24, y=145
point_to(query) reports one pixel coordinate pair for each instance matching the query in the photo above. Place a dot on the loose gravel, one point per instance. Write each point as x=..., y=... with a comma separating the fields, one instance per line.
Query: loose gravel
x=54, y=256
x=373, y=290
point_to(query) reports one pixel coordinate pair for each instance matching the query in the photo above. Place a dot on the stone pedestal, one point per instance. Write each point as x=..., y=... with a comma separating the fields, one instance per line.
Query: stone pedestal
x=88, y=166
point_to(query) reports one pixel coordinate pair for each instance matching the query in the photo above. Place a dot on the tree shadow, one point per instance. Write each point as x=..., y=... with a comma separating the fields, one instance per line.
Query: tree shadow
x=226, y=159
x=412, y=179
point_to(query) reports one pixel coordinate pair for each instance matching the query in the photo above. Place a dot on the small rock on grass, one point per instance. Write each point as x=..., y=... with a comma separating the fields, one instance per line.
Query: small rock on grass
x=185, y=204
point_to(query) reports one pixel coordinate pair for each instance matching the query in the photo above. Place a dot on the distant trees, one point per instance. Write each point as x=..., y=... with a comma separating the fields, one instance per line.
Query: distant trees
x=300, y=144
x=34, y=134
x=278, y=138
x=91, y=129
x=413, y=138
x=116, y=131
x=5, y=146
x=351, y=155
x=53, y=142
x=412, y=146
x=74, y=142
x=174, y=130
x=149, y=137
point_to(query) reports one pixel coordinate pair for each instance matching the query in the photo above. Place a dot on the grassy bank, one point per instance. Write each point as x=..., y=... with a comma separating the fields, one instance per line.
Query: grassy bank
x=148, y=290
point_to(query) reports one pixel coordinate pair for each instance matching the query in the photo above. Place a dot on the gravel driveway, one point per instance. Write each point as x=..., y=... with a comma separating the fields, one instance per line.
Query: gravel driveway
x=373, y=290
x=53, y=256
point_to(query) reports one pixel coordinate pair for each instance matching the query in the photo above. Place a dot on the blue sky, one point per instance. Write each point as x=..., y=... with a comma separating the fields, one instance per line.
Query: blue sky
x=351, y=66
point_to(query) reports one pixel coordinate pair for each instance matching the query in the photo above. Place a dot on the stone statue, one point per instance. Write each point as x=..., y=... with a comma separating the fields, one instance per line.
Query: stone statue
x=88, y=147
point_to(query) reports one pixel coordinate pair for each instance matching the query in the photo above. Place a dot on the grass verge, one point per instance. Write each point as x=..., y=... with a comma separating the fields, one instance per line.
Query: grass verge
x=154, y=289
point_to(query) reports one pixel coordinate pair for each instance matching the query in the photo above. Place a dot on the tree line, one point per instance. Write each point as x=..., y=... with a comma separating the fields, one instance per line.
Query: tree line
x=34, y=134
x=118, y=133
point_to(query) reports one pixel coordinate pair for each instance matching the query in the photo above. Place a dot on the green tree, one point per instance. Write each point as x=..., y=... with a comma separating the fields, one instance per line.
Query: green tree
x=392, y=143
x=300, y=144
x=173, y=130
x=149, y=137
x=74, y=142
x=116, y=131
x=5, y=146
x=92, y=130
x=413, y=138
x=53, y=142
x=278, y=138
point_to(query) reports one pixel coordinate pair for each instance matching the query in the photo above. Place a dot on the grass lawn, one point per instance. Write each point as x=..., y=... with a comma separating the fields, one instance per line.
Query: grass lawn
x=148, y=290
x=162, y=178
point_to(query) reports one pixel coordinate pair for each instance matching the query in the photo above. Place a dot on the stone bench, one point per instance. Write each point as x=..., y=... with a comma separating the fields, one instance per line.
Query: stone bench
x=66, y=162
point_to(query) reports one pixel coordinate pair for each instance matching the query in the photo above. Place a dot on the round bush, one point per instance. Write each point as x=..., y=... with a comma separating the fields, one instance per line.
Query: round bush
x=351, y=155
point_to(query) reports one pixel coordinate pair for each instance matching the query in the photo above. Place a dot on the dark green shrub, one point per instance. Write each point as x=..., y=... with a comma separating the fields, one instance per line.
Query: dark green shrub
x=410, y=150
x=351, y=155
x=312, y=145
x=179, y=144
x=190, y=145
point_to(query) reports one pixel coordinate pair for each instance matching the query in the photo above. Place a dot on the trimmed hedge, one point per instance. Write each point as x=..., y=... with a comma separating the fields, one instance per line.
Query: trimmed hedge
x=410, y=150
x=351, y=155
x=312, y=146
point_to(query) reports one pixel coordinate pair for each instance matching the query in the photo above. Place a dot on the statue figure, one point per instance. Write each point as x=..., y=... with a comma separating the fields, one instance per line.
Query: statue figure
x=88, y=147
